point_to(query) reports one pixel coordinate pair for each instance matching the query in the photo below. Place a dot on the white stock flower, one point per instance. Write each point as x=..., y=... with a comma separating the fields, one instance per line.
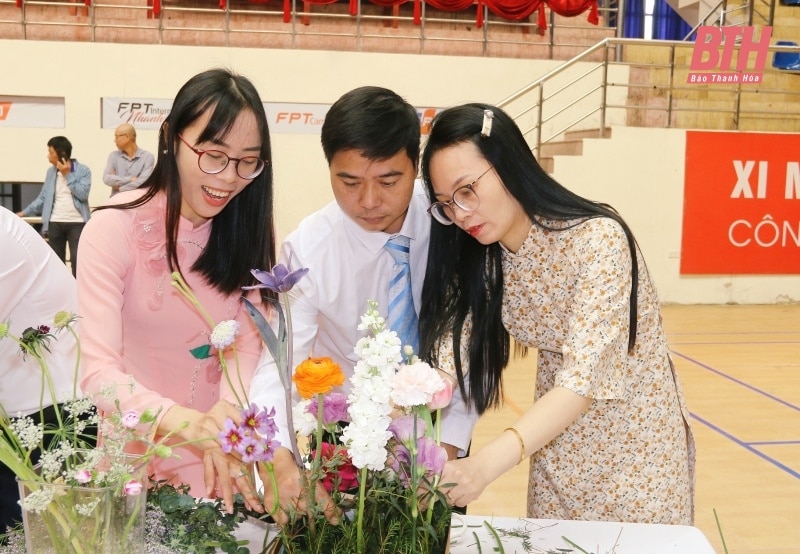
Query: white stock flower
x=224, y=334
x=369, y=404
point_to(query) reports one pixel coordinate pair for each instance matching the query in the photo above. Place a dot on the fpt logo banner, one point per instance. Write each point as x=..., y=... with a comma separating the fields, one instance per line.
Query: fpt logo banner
x=713, y=55
x=741, y=205
x=287, y=118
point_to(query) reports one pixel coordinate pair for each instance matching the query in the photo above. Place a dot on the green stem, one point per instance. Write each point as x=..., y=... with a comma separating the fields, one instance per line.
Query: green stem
x=316, y=468
x=719, y=529
x=362, y=492
x=224, y=367
x=76, y=374
x=274, y=482
x=288, y=380
x=183, y=287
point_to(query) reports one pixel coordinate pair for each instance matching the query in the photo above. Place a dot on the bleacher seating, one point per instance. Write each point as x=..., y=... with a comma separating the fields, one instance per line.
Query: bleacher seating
x=786, y=61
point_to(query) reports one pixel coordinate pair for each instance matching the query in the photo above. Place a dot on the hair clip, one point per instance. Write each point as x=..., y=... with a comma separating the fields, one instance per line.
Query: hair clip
x=488, y=117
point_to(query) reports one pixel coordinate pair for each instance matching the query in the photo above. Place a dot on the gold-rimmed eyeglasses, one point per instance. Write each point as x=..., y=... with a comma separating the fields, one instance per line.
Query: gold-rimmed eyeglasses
x=464, y=197
x=215, y=161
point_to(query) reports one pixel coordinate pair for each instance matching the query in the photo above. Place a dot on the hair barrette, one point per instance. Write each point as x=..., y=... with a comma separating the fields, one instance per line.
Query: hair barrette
x=488, y=117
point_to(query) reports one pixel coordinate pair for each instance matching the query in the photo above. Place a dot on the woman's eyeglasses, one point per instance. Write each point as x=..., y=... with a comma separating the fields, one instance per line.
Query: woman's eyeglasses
x=214, y=161
x=464, y=197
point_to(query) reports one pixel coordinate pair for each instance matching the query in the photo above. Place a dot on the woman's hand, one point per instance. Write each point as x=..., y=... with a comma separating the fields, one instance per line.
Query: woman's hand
x=222, y=472
x=467, y=478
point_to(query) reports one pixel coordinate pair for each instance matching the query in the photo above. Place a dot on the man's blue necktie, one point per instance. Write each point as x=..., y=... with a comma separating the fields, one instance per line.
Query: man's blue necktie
x=402, y=316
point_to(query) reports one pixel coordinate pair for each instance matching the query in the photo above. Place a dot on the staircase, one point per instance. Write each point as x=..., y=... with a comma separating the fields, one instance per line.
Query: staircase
x=648, y=88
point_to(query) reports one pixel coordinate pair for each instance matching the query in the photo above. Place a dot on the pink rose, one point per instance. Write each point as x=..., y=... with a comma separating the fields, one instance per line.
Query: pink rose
x=83, y=476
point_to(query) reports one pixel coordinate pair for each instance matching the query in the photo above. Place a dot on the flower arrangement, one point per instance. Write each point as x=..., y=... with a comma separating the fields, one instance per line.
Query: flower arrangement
x=376, y=451
x=76, y=497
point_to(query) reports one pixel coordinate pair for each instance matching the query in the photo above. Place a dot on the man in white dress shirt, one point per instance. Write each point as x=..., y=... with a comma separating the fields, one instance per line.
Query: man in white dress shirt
x=371, y=139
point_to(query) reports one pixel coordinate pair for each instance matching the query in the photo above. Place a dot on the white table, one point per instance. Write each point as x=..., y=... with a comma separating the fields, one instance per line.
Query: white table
x=598, y=537
x=543, y=535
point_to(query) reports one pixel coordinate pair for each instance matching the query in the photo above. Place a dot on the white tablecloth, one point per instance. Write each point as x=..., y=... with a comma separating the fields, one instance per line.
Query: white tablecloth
x=599, y=537
x=545, y=535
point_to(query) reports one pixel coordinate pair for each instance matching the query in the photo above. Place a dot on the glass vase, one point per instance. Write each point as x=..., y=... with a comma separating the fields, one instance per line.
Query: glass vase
x=80, y=519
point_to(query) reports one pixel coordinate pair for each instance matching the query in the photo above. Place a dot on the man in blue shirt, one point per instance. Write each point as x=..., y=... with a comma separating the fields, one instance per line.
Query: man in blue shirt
x=63, y=201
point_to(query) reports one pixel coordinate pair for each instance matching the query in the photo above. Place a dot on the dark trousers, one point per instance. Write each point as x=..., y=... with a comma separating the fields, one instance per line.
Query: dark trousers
x=61, y=233
x=10, y=511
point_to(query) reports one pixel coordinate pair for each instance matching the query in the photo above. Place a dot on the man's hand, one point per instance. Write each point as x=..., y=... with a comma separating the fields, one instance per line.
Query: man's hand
x=63, y=166
x=288, y=494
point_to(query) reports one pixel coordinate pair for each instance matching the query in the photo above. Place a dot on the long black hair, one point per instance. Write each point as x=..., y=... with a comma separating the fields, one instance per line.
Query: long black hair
x=465, y=278
x=242, y=234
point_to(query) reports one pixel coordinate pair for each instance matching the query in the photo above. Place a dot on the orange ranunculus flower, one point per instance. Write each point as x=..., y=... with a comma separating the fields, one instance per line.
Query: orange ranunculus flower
x=317, y=376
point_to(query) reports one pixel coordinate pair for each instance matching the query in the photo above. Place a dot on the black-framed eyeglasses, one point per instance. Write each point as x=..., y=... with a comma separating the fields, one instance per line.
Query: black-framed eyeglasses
x=214, y=161
x=464, y=197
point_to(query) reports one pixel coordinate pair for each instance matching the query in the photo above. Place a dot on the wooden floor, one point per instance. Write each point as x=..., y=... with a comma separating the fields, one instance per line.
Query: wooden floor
x=740, y=369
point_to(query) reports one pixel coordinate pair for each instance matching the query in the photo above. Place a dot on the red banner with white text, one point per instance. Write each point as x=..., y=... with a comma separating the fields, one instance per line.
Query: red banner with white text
x=741, y=207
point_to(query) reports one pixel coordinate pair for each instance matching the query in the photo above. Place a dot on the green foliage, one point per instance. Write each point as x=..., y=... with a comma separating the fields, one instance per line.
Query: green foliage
x=392, y=528
x=191, y=525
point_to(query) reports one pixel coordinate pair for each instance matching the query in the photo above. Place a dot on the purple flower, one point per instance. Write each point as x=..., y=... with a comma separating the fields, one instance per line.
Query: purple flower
x=265, y=450
x=247, y=447
x=262, y=421
x=431, y=456
x=399, y=460
x=334, y=408
x=83, y=476
x=280, y=279
x=230, y=437
x=403, y=428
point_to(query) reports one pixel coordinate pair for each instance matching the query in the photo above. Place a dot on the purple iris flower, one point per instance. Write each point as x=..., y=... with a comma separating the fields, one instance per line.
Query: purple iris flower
x=280, y=279
x=334, y=408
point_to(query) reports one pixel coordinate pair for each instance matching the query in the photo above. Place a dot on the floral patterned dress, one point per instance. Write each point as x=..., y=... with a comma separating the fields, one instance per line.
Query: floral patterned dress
x=630, y=456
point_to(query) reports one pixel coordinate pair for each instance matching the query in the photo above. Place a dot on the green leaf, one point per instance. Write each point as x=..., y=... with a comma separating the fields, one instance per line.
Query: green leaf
x=201, y=352
x=276, y=344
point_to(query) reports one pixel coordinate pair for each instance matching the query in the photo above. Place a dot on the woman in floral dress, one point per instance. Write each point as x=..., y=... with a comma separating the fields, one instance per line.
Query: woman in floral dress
x=206, y=212
x=514, y=254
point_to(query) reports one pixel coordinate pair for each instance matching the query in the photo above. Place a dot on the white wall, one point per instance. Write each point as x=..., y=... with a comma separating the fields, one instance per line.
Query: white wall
x=83, y=73
x=640, y=171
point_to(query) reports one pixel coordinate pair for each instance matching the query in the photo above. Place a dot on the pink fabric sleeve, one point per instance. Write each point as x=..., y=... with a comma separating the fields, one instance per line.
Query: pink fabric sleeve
x=106, y=254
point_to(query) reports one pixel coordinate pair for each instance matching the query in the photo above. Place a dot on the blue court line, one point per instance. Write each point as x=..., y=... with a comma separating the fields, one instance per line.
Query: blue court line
x=739, y=382
x=772, y=443
x=747, y=446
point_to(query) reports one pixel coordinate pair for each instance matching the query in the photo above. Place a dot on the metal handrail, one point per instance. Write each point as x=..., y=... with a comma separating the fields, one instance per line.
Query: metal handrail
x=566, y=97
x=237, y=19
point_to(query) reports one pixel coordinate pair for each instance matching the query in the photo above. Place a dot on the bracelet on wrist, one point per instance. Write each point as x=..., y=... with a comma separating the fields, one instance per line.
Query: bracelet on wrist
x=521, y=443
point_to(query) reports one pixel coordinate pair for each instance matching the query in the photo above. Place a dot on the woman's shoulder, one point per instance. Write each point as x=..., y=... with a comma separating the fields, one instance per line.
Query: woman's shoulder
x=144, y=220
